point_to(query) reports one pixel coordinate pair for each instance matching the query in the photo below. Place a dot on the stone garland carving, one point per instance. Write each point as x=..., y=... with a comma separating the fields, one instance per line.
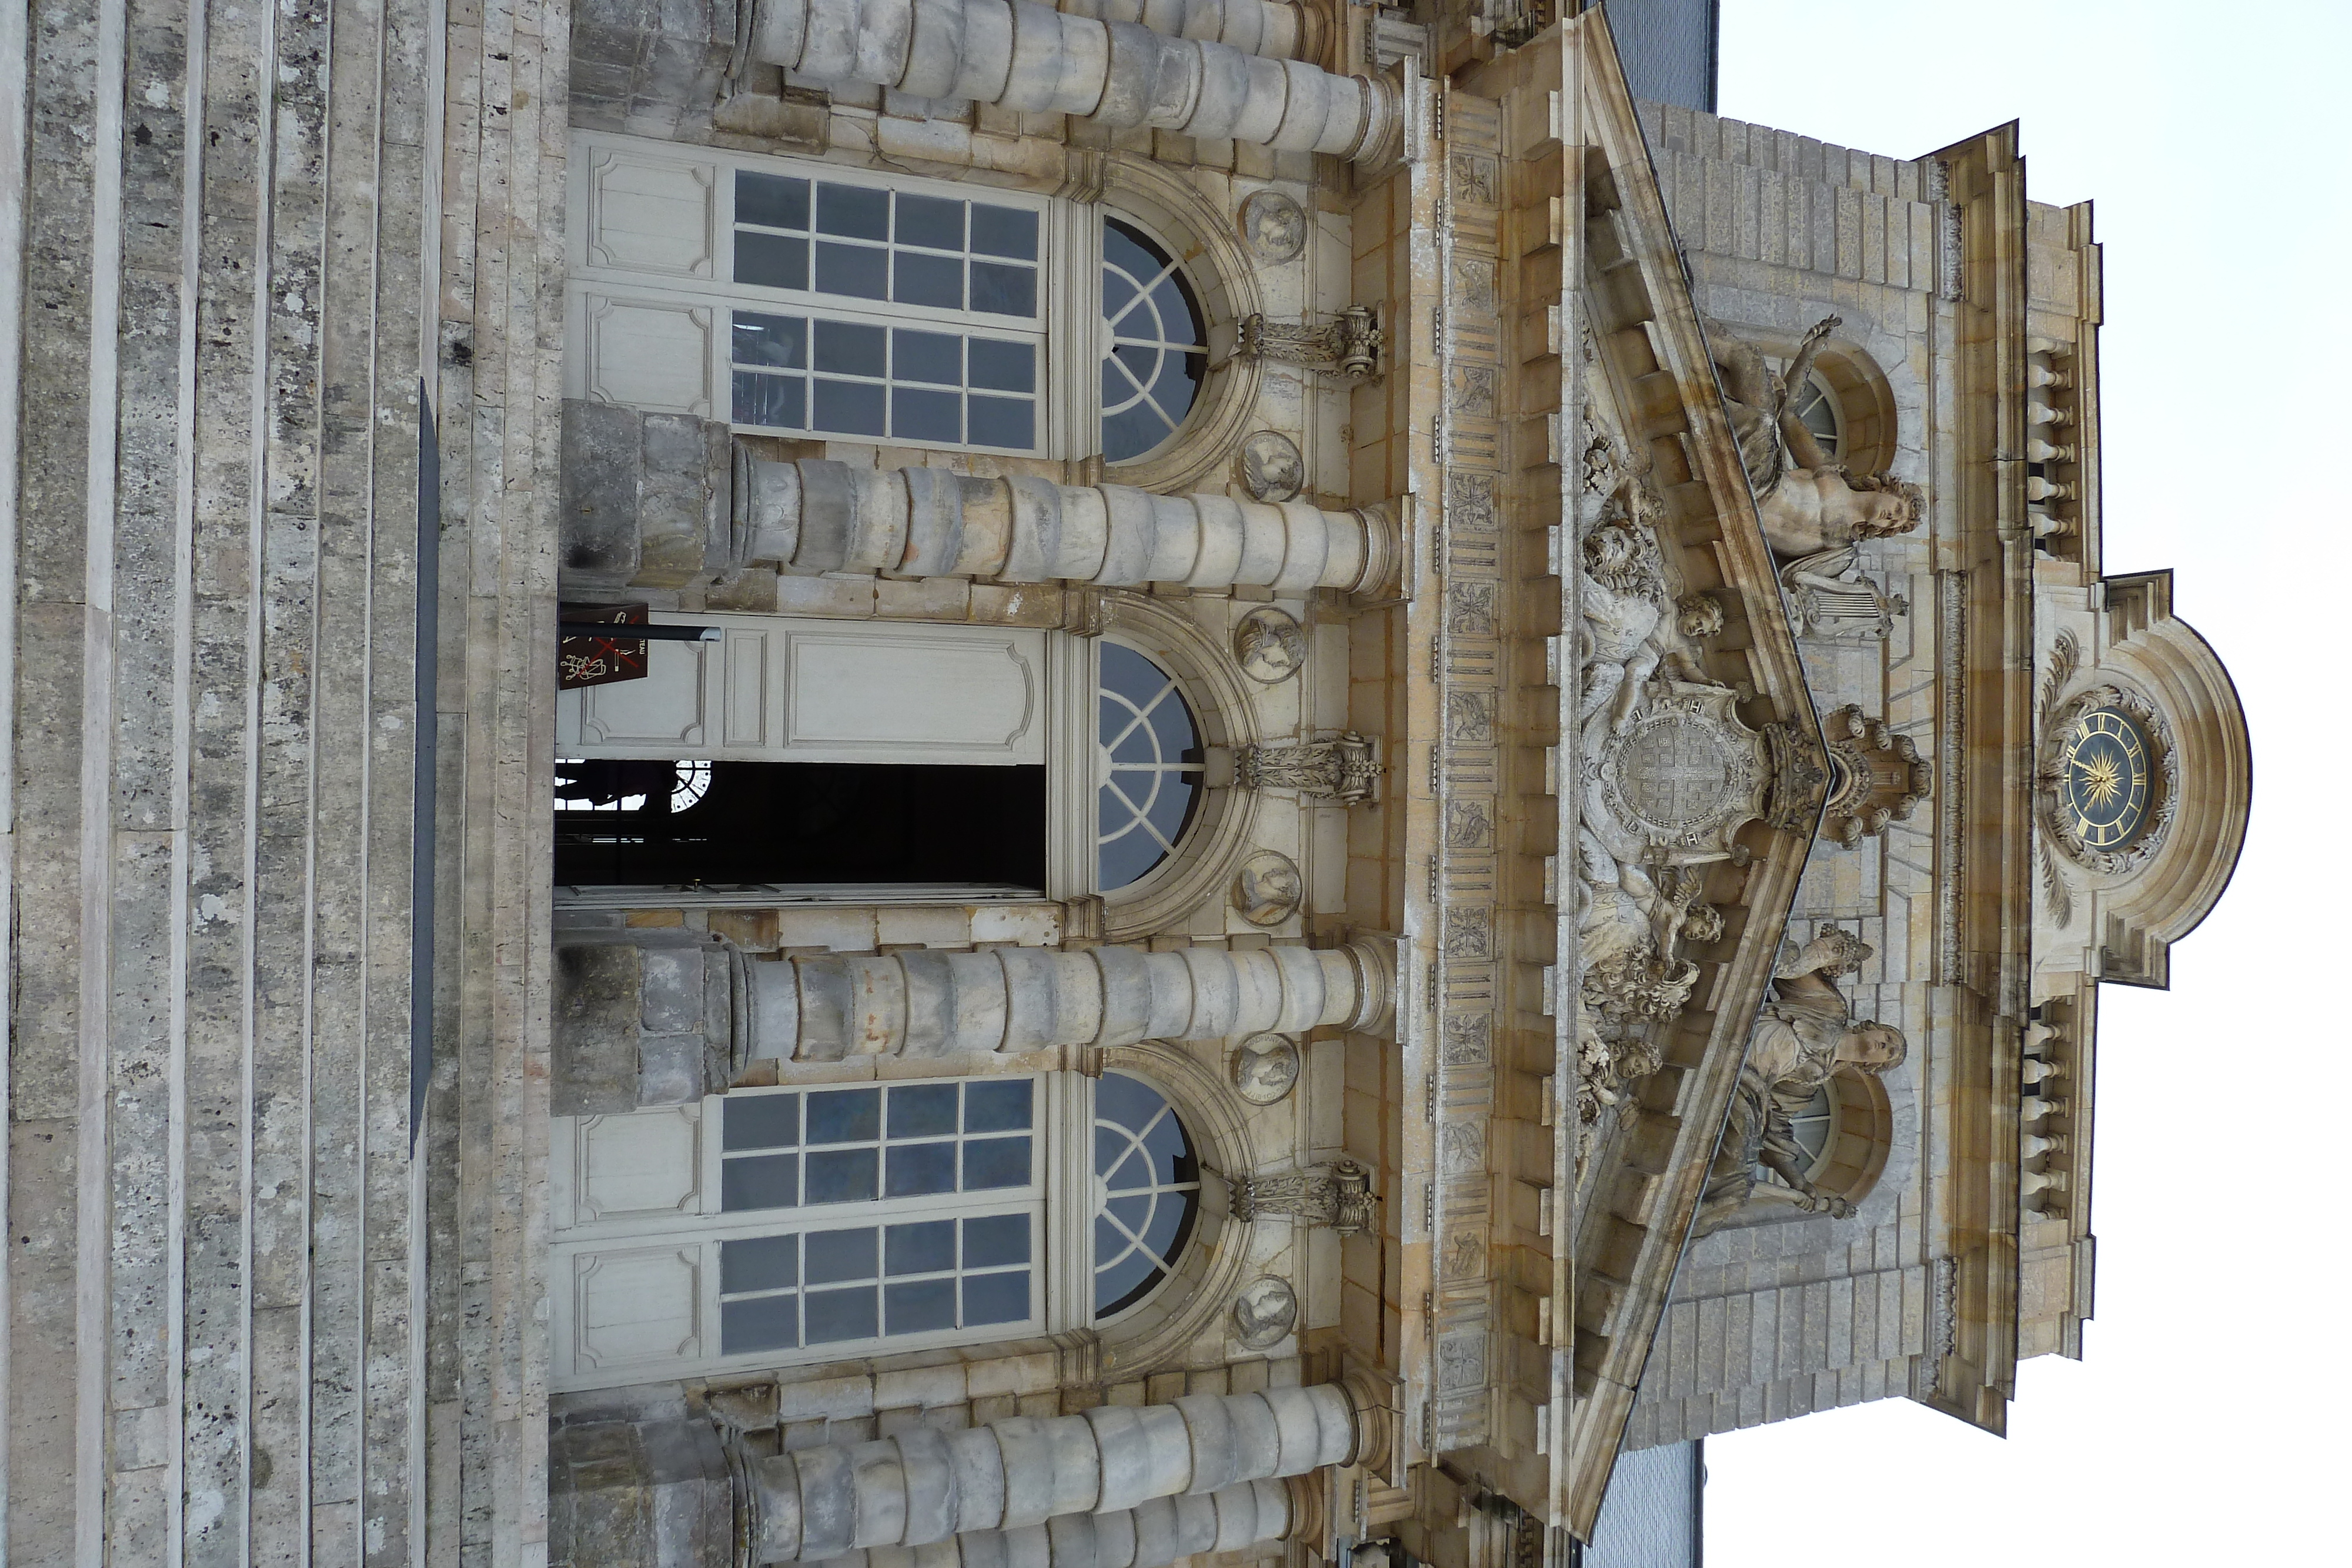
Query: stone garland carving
x=1876, y=776
x=2162, y=753
x=1339, y=1197
x=1348, y=346
x=1345, y=768
x=2064, y=654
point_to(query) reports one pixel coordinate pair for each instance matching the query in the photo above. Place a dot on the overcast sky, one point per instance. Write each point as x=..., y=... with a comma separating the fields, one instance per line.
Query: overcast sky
x=2206, y=1421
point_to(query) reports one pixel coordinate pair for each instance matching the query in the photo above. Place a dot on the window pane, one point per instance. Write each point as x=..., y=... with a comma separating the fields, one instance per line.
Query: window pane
x=759, y=1181
x=761, y=1263
x=835, y=1255
x=927, y=1247
x=1009, y=423
x=837, y=1315
x=934, y=357
x=841, y=1175
x=771, y=261
x=919, y=414
x=1132, y=433
x=843, y=1115
x=1172, y=1159
x=778, y=340
x=920, y=1307
x=1127, y=1101
x=1002, y=289
x=770, y=200
x=917, y=1170
x=923, y=1110
x=996, y=1299
x=999, y=1106
x=848, y=408
x=764, y=1323
x=853, y=210
x=999, y=366
x=761, y=1122
x=995, y=1162
x=932, y=221
x=994, y=1239
x=848, y=348
x=861, y=272
x=1004, y=231
x=775, y=401
x=919, y=279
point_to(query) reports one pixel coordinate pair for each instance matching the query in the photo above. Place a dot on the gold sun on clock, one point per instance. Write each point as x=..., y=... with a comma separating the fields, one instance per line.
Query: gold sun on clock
x=2103, y=784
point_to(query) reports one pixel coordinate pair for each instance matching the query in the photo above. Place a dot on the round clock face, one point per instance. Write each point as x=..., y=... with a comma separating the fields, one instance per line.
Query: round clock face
x=2103, y=785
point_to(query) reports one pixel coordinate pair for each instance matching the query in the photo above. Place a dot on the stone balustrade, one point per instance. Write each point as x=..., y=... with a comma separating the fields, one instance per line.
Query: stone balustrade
x=925, y=1486
x=1153, y=1534
x=821, y=515
x=932, y=1003
x=1029, y=57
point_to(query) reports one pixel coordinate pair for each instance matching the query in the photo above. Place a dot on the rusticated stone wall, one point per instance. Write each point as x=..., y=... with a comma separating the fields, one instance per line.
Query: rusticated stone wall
x=223, y=290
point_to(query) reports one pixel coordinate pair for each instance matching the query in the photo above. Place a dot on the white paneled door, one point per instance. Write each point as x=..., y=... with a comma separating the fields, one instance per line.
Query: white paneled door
x=776, y=690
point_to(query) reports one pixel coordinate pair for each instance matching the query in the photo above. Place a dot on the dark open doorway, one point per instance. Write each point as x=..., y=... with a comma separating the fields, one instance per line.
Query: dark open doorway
x=640, y=823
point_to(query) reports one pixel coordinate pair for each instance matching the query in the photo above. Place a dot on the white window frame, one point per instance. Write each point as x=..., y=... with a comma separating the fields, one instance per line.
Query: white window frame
x=1062, y=1278
x=700, y=292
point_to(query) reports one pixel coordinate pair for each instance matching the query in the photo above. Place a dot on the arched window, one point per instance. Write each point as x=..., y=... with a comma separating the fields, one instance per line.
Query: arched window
x=1147, y=1191
x=776, y=1226
x=1148, y=764
x=1155, y=343
x=1811, y=1126
x=1845, y=1130
x=1816, y=408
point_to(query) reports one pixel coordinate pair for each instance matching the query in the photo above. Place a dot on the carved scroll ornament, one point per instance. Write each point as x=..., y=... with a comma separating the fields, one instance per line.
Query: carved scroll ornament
x=1339, y=1197
x=1346, y=768
x=1349, y=345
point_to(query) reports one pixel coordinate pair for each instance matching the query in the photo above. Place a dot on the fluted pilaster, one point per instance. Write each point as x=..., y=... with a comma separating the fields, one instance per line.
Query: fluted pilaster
x=931, y=1003
x=822, y=515
x=925, y=1486
x=1030, y=56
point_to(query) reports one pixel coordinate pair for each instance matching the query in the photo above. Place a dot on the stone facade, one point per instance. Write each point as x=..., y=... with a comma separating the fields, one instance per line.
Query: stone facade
x=1603, y=708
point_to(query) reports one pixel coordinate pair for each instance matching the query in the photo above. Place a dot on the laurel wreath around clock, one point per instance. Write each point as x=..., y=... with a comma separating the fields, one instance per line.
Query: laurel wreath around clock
x=2158, y=730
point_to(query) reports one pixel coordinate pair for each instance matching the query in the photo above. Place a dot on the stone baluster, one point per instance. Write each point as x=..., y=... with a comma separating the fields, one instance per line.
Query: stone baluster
x=936, y=1003
x=1273, y=29
x=1153, y=1534
x=821, y=515
x=925, y=1486
x=1024, y=56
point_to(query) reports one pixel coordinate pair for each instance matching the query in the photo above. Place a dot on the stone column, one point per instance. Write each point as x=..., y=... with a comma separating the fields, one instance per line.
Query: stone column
x=938, y=1003
x=925, y=1486
x=1153, y=1534
x=1274, y=29
x=821, y=515
x=1030, y=56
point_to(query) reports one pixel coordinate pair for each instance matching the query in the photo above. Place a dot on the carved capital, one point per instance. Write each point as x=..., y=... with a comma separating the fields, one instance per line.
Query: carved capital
x=1345, y=768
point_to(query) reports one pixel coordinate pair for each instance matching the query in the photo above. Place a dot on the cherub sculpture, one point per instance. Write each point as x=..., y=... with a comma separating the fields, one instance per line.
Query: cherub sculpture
x=1804, y=1033
x=1806, y=503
